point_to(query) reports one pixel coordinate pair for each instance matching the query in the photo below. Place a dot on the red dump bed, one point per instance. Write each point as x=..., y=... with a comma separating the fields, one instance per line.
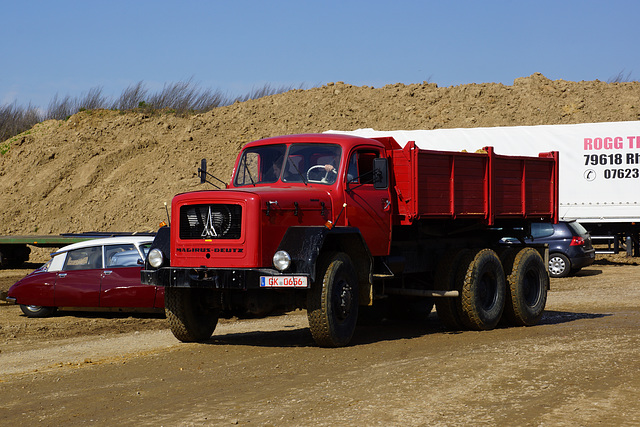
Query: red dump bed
x=486, y=186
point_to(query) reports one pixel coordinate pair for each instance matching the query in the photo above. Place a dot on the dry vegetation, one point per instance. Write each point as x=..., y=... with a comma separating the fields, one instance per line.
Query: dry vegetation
x=179, y=98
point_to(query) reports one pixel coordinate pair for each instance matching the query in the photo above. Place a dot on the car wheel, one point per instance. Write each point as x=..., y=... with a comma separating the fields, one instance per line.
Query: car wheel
x=559, y=265
x=37, y=311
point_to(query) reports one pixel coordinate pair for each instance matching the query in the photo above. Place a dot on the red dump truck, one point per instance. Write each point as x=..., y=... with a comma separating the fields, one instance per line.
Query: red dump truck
x=341, y=225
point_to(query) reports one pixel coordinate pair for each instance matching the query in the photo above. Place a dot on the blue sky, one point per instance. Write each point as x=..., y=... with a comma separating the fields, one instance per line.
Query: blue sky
x=69, y=47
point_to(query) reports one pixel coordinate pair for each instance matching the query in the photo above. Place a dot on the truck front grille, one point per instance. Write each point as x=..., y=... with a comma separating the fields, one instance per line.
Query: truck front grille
x=210, y=221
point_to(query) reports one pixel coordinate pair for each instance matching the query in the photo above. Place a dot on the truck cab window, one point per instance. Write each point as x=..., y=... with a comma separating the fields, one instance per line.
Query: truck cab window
x=314, y=163
x=260, y=165
x=361, y=167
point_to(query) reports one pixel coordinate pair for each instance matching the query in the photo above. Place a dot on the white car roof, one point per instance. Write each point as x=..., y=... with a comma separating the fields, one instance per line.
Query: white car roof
x=137, y=240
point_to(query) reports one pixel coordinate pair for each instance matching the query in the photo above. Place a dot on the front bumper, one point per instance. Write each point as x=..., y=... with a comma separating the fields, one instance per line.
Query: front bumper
x=218, y=278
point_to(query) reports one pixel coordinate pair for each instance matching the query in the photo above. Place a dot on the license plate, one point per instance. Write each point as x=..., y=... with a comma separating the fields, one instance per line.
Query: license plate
x=283, y=281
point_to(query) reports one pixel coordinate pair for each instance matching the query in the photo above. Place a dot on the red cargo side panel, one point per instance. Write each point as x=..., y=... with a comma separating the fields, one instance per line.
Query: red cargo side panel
x=485, y=186
x=450, y=185
x=524, y=186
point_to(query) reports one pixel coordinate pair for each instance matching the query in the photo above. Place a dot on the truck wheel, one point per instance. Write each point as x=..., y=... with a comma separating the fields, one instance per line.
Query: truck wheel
x=449, y=277
x=191, y=318
x=483, y=291
x=332, y=301
x=559, y=265
x=527, y=289
x=37, y=311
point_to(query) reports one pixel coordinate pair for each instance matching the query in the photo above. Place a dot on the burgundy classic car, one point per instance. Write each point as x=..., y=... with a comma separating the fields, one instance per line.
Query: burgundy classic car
x=102, y=273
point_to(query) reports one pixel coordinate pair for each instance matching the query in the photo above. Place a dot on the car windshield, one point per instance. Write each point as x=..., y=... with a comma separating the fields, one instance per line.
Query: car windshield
x=45, y=266
x=145, y=248
x=316, y=163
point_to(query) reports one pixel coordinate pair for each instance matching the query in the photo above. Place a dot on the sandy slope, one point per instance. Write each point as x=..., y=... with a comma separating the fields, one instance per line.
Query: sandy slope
x=112, y=171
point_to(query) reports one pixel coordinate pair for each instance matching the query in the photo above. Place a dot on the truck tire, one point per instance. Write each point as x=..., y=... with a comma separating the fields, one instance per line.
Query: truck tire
x=449, y=277
x=527, y=286
x=190, y=317
x=37, y=310
x=483, y=291
x=332, y=301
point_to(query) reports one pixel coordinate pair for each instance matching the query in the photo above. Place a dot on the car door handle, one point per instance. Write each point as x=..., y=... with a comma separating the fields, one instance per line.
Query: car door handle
x=107, y=272
x=62, y=274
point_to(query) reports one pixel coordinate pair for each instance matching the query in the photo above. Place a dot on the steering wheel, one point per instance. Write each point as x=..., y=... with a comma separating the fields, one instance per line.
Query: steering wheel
x=325, y=178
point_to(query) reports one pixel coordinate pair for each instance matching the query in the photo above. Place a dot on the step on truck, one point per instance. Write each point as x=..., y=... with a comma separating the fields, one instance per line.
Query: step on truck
x=344, y=226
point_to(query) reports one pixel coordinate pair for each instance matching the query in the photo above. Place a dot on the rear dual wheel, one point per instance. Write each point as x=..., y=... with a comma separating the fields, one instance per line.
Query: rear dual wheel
x=527, y=283
x=512, y=285
x=483, y=290
x=478, y=277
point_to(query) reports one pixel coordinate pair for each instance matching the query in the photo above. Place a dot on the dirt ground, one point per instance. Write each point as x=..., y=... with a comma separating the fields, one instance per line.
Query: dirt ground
x=580, y=366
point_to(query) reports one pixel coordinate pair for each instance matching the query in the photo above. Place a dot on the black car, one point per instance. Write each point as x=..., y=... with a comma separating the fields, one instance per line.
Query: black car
x=570, y=247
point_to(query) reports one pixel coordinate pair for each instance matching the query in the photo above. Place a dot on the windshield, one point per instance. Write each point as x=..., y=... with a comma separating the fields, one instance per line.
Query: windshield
x=260, y=165
x=315, y=163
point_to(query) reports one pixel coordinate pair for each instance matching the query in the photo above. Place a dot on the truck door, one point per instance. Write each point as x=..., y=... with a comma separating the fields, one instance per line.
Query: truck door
x=368, y=208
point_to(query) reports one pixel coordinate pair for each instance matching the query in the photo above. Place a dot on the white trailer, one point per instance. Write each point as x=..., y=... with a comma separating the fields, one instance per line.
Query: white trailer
x=599, y=165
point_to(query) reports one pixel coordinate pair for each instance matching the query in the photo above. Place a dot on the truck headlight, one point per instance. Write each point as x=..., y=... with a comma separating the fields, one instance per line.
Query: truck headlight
x=281, y=260
x=155, y=258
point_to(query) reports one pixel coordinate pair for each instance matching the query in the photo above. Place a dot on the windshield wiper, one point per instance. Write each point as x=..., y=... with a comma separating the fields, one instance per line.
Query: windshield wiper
x=298, y=170
x=246, y=169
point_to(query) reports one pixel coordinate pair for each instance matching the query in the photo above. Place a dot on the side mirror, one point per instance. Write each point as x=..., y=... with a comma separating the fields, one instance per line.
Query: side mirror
x=202, y=171
x=380, y=174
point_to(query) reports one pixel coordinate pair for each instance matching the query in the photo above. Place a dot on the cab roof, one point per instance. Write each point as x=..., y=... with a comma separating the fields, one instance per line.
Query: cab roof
x=326, y=138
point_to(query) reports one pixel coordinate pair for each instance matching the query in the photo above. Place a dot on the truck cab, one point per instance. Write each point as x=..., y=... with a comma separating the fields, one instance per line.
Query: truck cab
x=258, y=244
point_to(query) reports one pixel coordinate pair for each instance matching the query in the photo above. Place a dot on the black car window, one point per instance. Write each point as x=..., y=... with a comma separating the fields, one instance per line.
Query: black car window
x=541, y=229
x=84, y=259
x=577, y=229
